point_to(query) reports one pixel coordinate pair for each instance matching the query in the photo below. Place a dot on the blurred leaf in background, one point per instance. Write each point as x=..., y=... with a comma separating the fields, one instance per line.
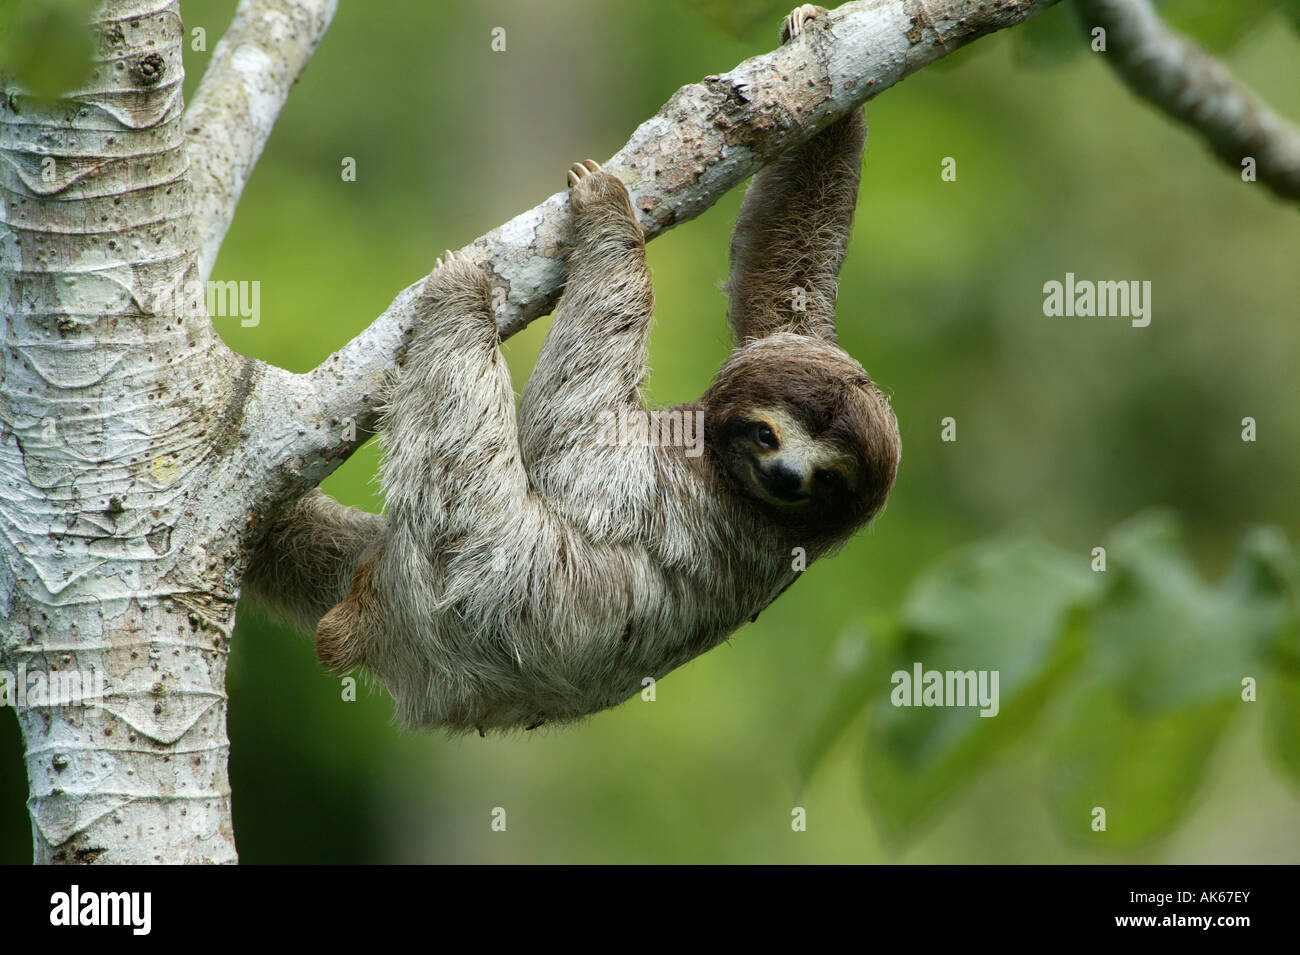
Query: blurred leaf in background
x=1007, y=606
x=1164, y=638
x=1160, y=662
x=1142, y=769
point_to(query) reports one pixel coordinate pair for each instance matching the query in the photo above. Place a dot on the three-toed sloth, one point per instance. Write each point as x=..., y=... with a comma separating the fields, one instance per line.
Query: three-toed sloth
x=539, y=567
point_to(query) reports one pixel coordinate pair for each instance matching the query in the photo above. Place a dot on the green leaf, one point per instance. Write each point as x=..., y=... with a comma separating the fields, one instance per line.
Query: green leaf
x=1012, y=606
x=1142, y=768
x=856, y=671
x=1165, y=638
x=1171, y=657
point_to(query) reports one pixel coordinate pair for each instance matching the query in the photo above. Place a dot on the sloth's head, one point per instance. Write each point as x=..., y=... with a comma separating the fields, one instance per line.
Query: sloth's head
x=801, y=430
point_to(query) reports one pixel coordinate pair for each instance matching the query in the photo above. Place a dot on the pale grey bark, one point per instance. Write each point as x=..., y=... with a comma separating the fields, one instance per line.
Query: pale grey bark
x=139, y=457
x=112, y=421
x=1184, y=81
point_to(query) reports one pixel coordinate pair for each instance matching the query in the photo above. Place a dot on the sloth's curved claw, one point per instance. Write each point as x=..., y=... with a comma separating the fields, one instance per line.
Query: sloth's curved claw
x=581, y=170
x=800, y=15
x=448, y=257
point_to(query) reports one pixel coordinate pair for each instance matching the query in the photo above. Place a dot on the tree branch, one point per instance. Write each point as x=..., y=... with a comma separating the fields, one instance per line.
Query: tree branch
x=707, y=139
x=1185, y=82
x=263, y=52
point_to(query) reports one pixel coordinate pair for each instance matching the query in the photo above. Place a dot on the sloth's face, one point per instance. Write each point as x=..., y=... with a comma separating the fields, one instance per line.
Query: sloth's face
x=804, y=433
x=772, y=455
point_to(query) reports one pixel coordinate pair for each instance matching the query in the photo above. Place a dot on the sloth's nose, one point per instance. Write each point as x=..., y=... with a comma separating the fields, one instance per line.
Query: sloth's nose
x=783, y=480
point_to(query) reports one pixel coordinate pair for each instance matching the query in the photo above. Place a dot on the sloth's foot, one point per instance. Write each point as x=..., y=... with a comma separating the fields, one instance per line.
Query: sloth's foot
x=448, y=257
x=592, y=188
x=457, y=287
x=456, y=271
x=581, y=170
x=794, y=23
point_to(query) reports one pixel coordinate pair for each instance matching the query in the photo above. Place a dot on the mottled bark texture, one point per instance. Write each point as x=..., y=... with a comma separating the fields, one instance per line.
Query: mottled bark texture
x=117, y=420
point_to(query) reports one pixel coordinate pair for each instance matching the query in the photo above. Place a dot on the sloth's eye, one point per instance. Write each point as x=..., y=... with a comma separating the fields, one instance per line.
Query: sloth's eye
x=764, y=437
x=829, y=479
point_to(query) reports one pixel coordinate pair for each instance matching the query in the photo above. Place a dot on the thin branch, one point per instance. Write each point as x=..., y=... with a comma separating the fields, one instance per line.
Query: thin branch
x=706, y=140
x=261, y=56
x=1189, y=84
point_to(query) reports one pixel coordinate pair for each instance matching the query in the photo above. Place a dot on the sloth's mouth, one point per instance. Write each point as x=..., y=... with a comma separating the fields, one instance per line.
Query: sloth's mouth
x=773, y=492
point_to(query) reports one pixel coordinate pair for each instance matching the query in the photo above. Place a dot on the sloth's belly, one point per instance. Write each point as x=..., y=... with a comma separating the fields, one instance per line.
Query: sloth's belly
x=597, y=642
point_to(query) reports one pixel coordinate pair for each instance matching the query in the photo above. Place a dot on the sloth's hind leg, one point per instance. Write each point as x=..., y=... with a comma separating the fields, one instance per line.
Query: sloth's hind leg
x=452, y=470
x=451, y=445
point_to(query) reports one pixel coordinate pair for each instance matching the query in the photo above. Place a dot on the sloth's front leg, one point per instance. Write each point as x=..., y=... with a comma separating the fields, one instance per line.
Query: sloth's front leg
x=594, y=358
x=794, y=226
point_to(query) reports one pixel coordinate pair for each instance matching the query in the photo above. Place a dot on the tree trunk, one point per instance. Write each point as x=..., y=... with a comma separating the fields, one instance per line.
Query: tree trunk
x=114, y=420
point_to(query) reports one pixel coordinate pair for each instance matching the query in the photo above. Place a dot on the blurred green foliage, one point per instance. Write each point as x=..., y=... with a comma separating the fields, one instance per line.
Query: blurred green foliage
x=1155, y=665
x=1059, y=32
x=1065, y=426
